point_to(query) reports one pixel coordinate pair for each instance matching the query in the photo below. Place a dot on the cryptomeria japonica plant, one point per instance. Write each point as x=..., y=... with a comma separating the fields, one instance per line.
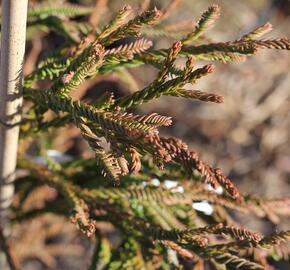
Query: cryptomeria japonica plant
x=158, y=226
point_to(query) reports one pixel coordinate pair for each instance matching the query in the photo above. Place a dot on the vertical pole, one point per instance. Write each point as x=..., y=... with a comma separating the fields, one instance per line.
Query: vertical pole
x=13, y=33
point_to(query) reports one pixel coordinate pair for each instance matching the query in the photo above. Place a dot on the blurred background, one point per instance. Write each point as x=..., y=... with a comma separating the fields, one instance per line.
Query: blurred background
x=248, y=136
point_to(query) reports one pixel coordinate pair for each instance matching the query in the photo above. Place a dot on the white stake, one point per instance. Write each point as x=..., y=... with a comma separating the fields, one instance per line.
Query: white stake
x=13, y=32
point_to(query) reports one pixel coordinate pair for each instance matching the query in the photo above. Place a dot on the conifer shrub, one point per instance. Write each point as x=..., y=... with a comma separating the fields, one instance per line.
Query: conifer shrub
x=158, y=226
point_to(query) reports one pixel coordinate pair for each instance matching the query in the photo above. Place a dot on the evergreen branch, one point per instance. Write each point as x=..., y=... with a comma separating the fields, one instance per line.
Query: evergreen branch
x=129, y=60
x=63, y=61
x=169, y=61
x=118, y=21
x=155, y=90
x=181, y=237
x=241, y=47
x=77, y=108
x=279, y=43
x=232, y=246
x=228, y=51
x=81, y=219
x=84, y=47
x=152, y=119
x=110, y=166
x=211, y=51
x=235, y=232
x=142, y=212
x=156, y=59
x=223, y=57
x=172, y=149
x=108, y=163
x=254, y=240
x=113, y=121
x=190, y=161
x=122, y=55
x=79, y=216
x=206, y=21
x=179, y=250
x=275, y=239
x=68, y=61
x=50, y=70
x=199, y=95
x=219, y=229
x=232, y=262
x=138, y=46
x=216, y=51
x=136, y=160
x=51, y=8
x=258, y=32
x=84, y=66
x=226, y=183
x=133, y=27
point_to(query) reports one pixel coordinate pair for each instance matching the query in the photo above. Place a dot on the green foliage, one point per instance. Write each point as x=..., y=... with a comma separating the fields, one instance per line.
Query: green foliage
x=152, y=220
x=206, y=21
x=57, y=8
